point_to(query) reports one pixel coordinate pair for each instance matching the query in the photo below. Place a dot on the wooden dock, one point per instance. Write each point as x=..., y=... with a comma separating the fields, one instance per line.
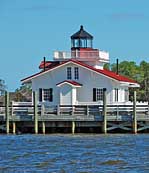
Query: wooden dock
x=73, y=118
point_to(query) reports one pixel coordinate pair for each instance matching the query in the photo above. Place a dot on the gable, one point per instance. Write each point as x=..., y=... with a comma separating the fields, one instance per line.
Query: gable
x=105, y=73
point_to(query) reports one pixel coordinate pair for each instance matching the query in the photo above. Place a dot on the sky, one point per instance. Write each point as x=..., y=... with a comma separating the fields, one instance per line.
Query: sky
x=33, y=29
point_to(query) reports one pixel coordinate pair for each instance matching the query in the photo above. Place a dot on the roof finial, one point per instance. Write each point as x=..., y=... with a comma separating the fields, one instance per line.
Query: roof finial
x=81, y=27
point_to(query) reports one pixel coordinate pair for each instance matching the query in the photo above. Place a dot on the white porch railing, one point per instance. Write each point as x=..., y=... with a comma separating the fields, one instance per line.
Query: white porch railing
x=25, y=110
x=112, y=103
x=85, y=103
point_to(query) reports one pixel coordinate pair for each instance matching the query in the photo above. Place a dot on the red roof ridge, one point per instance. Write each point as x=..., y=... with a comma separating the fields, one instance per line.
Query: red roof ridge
x=101, y=71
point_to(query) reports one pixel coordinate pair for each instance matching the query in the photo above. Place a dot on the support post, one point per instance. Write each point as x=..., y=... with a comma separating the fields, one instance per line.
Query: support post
x=87, y=110
x=13, y=123
x=43, y=127
x=73, y=127
x=42, y=110
x=12, y=108
x=7, y=111
x=35, y=112
x=134, y=114
x=58, y=110
x=14, y=127
x=104, y=127
x=72, y=110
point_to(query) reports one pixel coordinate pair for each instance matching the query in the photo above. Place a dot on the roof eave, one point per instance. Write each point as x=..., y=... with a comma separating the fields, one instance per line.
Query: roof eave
x=129, y=84
x=29, y=79
x=26, y=81
x=76, y=86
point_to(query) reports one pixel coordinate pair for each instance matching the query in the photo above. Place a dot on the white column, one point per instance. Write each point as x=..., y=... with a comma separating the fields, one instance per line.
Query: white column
x=74, y=95
x=60, y=97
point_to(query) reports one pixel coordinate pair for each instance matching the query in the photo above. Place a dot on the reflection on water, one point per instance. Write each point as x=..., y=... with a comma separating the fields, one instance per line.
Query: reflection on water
x=74, y=153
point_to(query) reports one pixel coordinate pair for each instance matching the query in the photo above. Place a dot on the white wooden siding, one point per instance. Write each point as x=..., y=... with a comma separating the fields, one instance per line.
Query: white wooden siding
x=87, y=78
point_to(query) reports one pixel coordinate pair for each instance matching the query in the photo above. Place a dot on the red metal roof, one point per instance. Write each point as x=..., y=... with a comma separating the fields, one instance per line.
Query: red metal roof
x=41, y=66
x=48, y=64
x=70, y=82
x=108, y=73
x=100, y=71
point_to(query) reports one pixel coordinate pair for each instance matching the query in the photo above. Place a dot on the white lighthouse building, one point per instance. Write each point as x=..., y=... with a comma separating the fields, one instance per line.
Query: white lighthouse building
x=78, y=77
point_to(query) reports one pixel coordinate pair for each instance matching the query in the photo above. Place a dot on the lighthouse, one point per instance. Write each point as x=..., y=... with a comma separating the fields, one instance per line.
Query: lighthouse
x=77, y=77
x=82, y=50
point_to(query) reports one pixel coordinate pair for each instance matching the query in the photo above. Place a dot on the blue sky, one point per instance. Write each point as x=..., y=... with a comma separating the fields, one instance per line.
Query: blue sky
x=32, y=29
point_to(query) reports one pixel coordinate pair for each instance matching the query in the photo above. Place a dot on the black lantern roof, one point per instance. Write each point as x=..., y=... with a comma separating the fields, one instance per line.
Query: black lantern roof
x=82, y=34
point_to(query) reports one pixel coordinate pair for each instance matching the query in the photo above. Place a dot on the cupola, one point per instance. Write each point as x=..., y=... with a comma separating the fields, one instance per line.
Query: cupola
x=81, y=39
x=82, y=50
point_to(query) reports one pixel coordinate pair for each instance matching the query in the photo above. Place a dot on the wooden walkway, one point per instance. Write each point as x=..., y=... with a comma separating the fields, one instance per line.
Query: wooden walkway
x=131, y=118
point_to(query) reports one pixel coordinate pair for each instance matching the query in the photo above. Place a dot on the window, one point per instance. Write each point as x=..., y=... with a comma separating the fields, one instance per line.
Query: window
x=116, y=94
x=126, y=95
x=76, y=73
x=46, y=94
x=69, y=76
x=97, y=94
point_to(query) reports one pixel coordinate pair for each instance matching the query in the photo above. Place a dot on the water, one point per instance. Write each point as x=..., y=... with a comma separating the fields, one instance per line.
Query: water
x=74, y=153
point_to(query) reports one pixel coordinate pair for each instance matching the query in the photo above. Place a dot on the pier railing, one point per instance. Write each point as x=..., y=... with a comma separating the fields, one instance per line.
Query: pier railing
x=65, y=111
x=126, y=117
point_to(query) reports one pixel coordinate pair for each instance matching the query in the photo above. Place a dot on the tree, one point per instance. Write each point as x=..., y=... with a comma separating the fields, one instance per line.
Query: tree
x=24, y=93
x=2, y=87
x=144, y=81
x=139, y=73
x=107, y=66
x=128, y=69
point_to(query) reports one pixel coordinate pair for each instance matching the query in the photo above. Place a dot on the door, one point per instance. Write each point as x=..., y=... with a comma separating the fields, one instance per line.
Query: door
x=66, y=95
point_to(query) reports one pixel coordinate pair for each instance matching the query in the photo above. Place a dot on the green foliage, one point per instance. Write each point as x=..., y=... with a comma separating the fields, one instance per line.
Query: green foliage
x=139, y=73
x=2, y=87
x=144, y=80
x=24, y=93
x=107, y=66
x=128, y=69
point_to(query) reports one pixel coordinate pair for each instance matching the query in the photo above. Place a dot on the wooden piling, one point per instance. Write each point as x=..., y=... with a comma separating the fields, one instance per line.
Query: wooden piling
x=14, y=127
x=104, y=126
x=134, y=114
x=58, y=110
x=13, y=123
x=87, y=110
x=43, y=127
x=73, y=127
x=42, y=110
x=7, y=111
x=35, y=112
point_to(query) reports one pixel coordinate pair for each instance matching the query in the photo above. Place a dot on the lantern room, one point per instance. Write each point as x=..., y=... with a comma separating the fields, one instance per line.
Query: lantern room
x=81, y=39
x=82, y=50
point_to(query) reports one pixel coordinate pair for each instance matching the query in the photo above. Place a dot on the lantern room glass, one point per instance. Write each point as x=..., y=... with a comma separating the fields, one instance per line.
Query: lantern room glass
x=81, y=43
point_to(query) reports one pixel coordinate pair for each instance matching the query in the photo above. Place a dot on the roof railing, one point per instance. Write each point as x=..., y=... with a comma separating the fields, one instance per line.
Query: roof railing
x=62, y=55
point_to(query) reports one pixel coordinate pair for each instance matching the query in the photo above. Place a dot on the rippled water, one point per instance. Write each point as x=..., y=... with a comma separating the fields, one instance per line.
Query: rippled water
x=74, y=153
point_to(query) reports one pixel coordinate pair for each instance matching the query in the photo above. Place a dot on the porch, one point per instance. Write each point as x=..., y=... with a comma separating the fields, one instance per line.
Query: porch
x=129, y=118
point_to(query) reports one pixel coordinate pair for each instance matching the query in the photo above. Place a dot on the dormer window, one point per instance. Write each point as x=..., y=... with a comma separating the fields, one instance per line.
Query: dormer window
x=69, y=75
x=76, y=73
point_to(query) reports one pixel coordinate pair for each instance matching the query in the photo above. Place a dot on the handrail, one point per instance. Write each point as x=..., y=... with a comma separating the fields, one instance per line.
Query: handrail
x=74, y=109
x=81, y=54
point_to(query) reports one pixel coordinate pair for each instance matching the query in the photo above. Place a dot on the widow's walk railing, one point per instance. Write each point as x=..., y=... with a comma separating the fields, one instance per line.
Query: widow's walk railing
x=94, y=54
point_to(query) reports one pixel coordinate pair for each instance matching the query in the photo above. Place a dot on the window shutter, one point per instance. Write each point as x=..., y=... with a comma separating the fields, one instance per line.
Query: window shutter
x=51, y=95
x=40, y=94
x=94, y=94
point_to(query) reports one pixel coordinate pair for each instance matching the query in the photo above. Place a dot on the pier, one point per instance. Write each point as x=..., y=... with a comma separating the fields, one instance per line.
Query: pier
x=34, y=118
